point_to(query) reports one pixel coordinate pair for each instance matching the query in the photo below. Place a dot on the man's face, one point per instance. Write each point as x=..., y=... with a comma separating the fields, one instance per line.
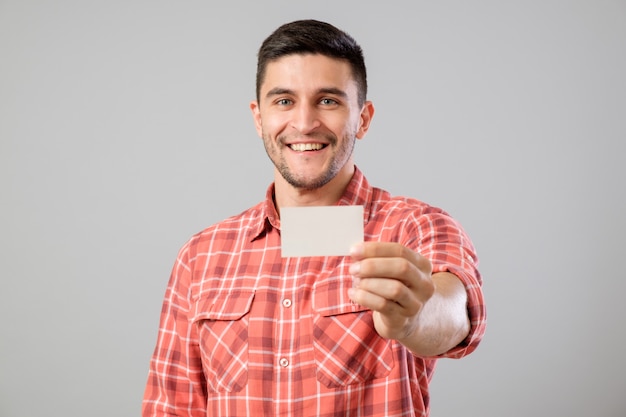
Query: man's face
x=309, y=117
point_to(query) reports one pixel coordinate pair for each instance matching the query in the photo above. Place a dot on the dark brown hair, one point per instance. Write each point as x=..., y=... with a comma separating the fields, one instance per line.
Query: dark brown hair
x=313, y=37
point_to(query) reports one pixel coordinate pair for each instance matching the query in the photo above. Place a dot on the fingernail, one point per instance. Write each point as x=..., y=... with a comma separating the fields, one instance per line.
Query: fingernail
x=351, y=293
x=356, y=249
x=356, y=282
x=355, y=268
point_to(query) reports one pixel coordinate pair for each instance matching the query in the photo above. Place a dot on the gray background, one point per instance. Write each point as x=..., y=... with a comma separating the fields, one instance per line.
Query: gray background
x=125, y=128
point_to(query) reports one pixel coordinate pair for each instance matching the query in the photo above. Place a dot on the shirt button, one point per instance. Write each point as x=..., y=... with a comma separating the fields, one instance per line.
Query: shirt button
x=283, y=362
x=286, y=303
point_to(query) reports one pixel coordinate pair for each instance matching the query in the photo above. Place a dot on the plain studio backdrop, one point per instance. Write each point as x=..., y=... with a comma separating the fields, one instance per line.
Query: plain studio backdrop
x=125, y=129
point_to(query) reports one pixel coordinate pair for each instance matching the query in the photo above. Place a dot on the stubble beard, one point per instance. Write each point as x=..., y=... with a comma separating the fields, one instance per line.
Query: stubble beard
x=338, y=160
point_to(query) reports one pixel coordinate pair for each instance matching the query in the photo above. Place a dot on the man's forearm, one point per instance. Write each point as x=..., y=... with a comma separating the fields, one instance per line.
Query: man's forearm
x=443, y=323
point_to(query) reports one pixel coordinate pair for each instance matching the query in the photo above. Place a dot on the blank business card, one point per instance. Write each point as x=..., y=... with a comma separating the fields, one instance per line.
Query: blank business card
x=320, y=231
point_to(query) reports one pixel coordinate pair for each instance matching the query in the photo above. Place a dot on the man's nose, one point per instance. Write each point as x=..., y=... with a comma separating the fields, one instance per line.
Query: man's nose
x=305, y=118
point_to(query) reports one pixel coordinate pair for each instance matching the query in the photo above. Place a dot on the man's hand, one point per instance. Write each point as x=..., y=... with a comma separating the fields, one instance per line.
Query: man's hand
x=394, y=282
x=427, y=313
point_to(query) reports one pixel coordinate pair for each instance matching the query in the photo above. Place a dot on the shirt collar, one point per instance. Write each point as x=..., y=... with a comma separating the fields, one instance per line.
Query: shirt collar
x=357, y=193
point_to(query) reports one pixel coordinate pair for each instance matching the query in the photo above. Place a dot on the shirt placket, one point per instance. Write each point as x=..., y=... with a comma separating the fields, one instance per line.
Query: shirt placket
x=285, y=357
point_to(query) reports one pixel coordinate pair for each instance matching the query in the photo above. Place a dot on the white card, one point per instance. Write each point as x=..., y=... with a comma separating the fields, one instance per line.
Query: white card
x=320, y=231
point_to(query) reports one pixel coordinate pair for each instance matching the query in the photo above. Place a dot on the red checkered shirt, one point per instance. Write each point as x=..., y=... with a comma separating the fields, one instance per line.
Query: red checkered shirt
x=245, y=332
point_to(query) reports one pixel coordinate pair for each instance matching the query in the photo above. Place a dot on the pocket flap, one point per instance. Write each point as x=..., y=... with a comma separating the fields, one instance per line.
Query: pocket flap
x=231, y=305
x=331, y=299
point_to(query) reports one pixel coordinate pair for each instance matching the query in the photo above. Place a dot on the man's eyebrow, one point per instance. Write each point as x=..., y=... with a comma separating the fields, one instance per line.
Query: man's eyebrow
x=278, y=91
x=334, y=91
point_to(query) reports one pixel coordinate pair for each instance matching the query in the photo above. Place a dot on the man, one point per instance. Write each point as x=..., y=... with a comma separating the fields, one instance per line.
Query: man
x=245, y=332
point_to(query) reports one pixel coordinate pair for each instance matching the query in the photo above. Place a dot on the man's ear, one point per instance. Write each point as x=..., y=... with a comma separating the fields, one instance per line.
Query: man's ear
x=256, y=116
x=367, y=113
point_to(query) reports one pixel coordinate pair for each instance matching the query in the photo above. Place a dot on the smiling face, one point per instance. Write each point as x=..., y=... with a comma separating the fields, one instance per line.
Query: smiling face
x=309, y=118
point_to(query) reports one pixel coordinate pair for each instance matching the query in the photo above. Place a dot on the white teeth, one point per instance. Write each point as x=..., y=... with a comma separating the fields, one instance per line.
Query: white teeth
x=301, y=147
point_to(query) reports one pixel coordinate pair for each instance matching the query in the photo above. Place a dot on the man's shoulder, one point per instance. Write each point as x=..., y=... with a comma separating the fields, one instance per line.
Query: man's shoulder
x=233, y=225
x=385, y=203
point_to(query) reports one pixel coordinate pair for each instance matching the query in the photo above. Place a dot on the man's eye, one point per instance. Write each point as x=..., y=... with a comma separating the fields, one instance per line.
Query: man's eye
x=328, y=101
x=284, y=102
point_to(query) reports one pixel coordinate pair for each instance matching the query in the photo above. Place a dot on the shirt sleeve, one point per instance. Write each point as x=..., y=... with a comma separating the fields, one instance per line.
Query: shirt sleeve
x=175, y=385
x=441, y=238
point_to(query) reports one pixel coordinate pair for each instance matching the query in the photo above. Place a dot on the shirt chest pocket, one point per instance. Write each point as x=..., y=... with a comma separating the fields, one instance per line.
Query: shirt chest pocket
x=222, y=325
x=347, y=348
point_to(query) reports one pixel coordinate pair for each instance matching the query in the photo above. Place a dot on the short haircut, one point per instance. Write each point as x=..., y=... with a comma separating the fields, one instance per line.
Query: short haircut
x=312, y=37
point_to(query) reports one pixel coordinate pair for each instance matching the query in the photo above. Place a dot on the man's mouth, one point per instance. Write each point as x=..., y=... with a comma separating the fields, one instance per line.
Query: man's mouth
x=304, y=147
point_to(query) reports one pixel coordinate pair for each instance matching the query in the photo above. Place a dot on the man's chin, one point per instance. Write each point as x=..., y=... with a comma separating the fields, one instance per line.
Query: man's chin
x=306, y=182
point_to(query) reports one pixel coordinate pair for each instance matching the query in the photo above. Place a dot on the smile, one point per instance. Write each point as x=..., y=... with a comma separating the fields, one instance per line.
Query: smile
x=303, y=147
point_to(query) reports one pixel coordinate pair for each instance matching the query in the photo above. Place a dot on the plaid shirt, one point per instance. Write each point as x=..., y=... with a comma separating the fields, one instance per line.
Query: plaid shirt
x=245, y=332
